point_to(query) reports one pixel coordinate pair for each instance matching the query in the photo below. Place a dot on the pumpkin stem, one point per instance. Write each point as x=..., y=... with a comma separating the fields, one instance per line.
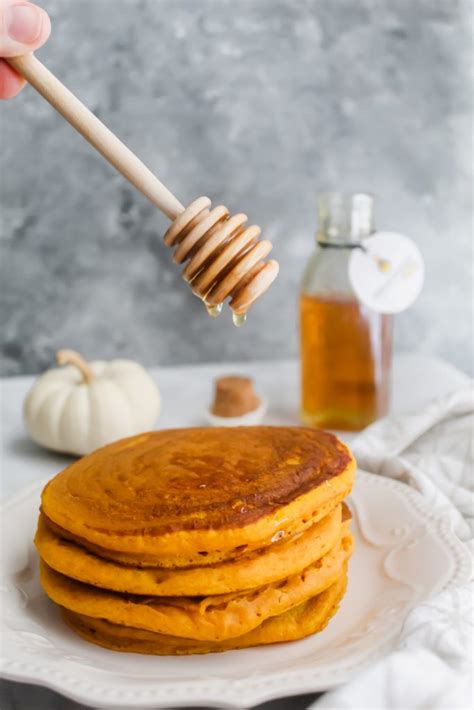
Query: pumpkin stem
x=71, y=357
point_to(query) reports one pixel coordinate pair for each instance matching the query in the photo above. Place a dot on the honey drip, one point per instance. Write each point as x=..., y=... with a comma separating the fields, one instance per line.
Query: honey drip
x=214, y=310
x=345, y=360
x=239, y=319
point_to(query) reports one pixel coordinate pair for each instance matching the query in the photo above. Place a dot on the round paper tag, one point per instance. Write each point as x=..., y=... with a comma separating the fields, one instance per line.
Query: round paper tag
x=387, y=273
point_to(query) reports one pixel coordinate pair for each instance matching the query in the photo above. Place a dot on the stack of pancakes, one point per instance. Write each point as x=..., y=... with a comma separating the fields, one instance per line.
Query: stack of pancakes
x=199, y=540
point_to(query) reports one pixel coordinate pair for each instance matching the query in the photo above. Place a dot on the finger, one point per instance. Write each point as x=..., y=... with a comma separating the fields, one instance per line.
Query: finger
x=10, y=82
x=23, y=27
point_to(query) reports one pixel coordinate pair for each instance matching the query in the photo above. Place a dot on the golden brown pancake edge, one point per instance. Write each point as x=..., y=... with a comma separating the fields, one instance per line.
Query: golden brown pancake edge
x=274, y=562
x=299, y=622
x=211, y=618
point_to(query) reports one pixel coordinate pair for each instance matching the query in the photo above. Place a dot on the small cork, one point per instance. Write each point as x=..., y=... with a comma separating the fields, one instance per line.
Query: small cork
x=234, y=396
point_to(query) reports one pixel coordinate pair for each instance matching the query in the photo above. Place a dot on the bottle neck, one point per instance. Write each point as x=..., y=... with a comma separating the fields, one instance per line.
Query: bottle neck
x=344, y=219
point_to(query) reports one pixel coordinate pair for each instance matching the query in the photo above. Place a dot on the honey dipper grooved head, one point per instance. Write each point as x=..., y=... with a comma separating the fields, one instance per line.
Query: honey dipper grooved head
x=225, y=259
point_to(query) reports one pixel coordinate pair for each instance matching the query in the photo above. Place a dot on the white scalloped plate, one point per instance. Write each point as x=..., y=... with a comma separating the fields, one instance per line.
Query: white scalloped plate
x=403, y=555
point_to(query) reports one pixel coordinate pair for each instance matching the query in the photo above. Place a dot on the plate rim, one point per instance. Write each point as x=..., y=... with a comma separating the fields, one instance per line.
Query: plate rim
x=238, y=693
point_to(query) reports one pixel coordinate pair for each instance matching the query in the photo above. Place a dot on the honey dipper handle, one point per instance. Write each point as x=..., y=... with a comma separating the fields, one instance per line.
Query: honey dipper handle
x=98, y=135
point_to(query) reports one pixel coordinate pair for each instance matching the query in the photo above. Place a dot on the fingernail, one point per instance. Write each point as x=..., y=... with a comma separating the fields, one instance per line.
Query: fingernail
x=25, y=23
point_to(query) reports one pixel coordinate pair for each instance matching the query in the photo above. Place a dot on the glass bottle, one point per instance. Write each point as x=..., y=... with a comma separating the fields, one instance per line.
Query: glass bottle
x=345, y=347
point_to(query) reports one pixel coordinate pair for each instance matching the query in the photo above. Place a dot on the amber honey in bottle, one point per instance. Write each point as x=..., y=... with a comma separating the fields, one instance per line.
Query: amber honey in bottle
x=345, y=346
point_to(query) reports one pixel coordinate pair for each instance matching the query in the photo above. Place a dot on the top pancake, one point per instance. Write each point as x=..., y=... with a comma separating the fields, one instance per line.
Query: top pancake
x=181, y=490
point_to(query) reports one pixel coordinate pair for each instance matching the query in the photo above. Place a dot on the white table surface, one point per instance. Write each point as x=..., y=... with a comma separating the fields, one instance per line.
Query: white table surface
x=186, y=392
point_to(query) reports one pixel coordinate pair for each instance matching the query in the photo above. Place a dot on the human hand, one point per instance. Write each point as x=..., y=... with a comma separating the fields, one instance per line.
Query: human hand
x=23, y=28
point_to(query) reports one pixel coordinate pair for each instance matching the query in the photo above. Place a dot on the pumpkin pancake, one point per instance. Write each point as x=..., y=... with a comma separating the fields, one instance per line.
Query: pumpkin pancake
x=175, y=494
x=212, y=618
x=300, y=621
x=274, y=562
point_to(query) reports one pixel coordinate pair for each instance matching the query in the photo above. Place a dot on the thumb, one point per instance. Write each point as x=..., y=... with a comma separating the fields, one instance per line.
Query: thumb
x=23, y=27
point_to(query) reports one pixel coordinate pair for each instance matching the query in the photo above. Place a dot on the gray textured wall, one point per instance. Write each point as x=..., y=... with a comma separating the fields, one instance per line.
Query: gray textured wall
x=257, y=103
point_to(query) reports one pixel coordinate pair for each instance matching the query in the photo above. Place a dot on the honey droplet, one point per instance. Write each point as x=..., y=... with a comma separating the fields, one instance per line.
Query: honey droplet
x=239, y=319
x=214, y=310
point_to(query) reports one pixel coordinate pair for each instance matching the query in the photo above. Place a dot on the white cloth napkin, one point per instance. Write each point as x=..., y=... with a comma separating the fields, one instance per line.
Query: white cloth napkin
x=431, y=666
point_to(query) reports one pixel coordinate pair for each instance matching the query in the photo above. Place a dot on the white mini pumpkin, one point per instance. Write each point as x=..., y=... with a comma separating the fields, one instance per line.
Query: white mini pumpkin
x=82, y=406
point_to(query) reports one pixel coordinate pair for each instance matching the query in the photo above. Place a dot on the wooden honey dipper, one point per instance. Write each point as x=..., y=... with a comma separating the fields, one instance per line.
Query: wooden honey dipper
x=225, y=259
